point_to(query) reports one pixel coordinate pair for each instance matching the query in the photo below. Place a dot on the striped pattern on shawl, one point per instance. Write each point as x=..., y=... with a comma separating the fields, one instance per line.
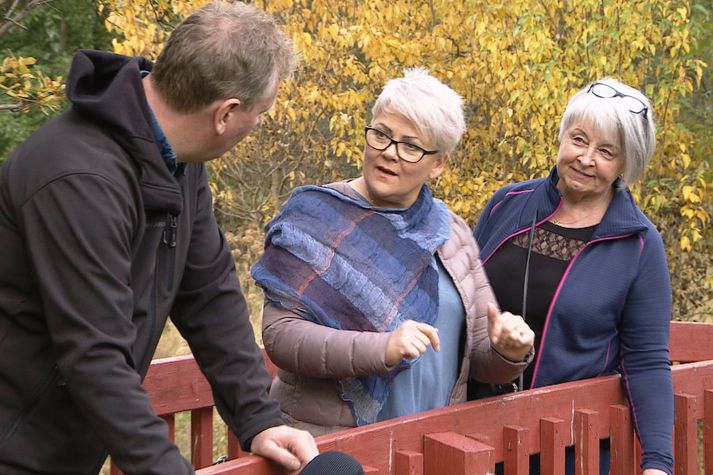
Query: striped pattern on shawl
x=339, y=262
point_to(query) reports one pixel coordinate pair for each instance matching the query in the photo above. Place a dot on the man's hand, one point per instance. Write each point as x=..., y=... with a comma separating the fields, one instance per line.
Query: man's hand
x=509, y=334
x=290, y=447
x=410, y=340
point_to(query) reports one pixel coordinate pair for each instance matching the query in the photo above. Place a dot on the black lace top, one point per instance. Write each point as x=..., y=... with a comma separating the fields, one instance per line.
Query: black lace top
x=553, y=247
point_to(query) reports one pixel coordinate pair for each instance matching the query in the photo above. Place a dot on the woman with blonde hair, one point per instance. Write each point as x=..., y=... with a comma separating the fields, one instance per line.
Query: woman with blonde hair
x=377, y=305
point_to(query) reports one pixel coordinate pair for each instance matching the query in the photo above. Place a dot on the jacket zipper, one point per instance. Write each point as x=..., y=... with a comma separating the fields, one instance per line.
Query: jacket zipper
x=554, y=301
x=168, y=239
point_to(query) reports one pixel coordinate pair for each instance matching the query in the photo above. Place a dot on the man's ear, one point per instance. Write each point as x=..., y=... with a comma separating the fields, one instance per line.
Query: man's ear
x=222, y=113
x=438, y=166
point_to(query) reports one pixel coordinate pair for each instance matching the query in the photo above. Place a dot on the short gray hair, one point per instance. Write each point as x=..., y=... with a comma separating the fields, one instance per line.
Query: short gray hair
x=434, y=108
x=223, y=50
x=636, y=132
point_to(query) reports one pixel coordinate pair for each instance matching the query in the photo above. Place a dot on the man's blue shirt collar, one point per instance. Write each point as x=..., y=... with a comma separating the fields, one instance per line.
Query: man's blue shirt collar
x=164, y=147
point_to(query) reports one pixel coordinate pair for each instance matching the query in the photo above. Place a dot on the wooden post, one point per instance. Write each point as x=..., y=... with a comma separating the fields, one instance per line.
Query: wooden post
x=708, y=431
x=462, y=455
x=685, y=435
x=408, y=462
x=202, y=437
x=622, y=440
x=234, y=449
x=552, y=445
x=586, y=442
x=516, y=453
x=170, y=420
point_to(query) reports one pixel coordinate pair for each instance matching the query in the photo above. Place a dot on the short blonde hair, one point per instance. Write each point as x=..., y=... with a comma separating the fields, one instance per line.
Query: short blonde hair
x=434, y=108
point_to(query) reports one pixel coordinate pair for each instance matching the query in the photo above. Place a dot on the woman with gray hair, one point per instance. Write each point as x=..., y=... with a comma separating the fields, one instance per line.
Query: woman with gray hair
x=377, y=305
x=575, y=256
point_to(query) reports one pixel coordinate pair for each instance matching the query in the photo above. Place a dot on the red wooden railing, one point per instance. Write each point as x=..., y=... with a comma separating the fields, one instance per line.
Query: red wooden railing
x=470, y=438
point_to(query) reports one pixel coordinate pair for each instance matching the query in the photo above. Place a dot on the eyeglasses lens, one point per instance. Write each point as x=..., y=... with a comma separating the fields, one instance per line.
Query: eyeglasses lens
x=606, y=92
x=381, y=141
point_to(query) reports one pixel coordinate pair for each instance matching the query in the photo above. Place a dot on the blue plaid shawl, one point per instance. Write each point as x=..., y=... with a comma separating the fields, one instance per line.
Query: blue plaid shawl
x=337, y=261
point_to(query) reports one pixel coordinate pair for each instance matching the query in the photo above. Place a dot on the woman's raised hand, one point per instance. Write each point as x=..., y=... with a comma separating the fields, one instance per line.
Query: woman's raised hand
x=509, y=334
x=410, y=340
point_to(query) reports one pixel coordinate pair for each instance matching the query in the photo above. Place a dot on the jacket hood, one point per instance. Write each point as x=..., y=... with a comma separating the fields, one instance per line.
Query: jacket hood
x=107, y=88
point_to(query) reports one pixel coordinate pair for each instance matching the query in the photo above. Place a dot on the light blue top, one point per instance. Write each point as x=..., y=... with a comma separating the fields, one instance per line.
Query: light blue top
x=429, y=382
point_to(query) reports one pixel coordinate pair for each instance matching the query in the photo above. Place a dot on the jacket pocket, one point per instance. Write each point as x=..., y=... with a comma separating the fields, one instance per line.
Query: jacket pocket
x=41, y=391
x=50, y=434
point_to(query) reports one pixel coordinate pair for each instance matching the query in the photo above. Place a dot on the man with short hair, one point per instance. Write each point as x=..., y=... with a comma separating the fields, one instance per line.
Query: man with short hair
x=107, y=227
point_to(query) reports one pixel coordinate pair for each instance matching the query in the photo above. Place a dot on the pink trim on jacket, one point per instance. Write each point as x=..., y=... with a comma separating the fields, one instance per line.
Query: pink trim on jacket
x=556, y=295
x=524, y=230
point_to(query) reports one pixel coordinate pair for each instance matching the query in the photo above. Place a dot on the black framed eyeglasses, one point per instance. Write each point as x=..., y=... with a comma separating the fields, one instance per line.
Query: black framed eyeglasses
x=406, y=151
x=605, y=91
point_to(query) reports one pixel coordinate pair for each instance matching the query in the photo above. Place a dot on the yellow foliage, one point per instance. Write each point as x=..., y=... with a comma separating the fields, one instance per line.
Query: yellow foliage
x=23, y=86
x=516, y=64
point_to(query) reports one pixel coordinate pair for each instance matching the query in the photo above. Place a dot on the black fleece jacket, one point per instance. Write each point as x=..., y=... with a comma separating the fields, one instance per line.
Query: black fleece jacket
x=99, y=243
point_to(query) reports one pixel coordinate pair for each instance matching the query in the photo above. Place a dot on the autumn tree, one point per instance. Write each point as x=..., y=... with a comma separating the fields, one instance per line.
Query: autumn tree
x=21, y=86
x=37, y=41
x=516, y=63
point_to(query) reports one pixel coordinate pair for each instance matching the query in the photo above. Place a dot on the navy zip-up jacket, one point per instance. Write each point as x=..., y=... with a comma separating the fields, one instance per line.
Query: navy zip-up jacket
x=611, y=310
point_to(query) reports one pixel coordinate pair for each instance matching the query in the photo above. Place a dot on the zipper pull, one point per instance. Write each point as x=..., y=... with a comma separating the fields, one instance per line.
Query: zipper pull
x=169, y=231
